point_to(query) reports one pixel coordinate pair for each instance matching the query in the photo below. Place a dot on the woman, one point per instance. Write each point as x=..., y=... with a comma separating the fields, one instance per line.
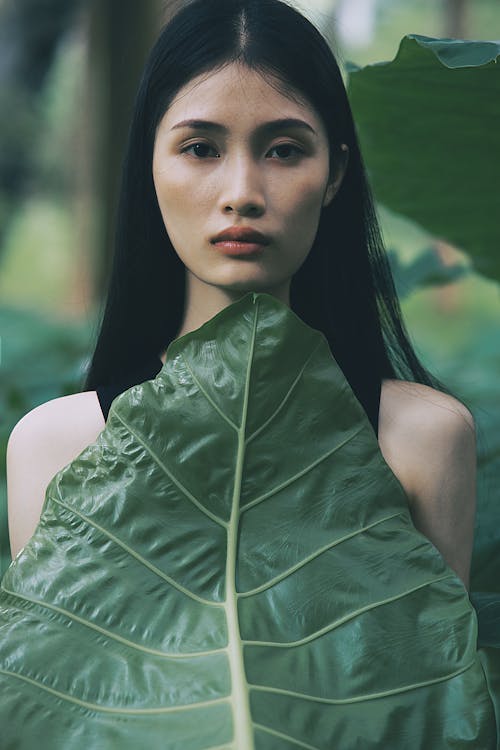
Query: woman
x=148, y=304
x=243, y=173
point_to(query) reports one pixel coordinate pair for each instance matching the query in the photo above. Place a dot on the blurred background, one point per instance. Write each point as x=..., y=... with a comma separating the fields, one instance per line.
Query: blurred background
x=68, y=73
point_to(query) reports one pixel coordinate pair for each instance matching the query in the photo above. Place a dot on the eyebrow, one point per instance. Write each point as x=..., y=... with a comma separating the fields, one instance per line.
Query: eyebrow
x=266, y=128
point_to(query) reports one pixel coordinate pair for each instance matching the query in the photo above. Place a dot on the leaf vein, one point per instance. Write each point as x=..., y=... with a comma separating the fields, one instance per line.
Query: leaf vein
x=286, y=397
x=240, y=703
x=368, y=696
x=170, y=474
x=336, y=623
x=108, y=633
x=209, y=399
x=140, y=559
x=303, y=471
x=109, y=709
x=283, y=736
x=313, y=556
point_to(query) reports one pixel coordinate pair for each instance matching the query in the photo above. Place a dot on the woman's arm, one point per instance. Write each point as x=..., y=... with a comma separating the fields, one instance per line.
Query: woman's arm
x=443, y=499
x=441, y=461
x=45, y=440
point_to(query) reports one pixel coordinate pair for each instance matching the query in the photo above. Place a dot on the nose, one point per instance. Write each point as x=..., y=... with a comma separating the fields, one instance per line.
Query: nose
x=242, y=188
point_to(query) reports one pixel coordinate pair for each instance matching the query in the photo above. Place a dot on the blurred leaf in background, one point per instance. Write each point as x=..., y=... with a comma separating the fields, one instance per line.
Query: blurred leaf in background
x=425, y=270
x=428, y=124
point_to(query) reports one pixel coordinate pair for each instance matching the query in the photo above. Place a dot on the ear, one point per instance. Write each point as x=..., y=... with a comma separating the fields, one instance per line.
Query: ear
x=338, y=176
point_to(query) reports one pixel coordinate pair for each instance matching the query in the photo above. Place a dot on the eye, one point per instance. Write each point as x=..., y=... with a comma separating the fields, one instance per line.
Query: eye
x=200, y=150
x=287, y=151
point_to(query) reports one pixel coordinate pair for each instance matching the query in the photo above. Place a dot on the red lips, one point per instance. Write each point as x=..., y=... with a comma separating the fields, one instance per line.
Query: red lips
x=241, y=234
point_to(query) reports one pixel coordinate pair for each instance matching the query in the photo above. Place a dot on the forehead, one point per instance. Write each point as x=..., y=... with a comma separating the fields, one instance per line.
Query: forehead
x=237, y=93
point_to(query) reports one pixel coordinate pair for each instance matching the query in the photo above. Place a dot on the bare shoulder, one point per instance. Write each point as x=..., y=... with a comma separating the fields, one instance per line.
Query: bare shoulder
x=45, y=440
x=60, y=425
x=428, y=439
x=402, y=400
x=418, y=426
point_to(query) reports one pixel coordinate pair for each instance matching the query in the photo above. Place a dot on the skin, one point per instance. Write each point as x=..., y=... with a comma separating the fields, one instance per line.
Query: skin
x=242, y=175
x=239, y=174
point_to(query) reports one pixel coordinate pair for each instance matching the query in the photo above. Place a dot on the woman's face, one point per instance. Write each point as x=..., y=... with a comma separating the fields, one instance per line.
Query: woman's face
x=232, y=152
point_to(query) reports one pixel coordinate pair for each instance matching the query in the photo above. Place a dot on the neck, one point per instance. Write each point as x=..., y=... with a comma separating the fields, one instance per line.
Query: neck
x=204, y=301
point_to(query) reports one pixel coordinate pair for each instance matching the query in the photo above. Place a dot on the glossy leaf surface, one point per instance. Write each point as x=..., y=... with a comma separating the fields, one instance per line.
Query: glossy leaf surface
x=232, y=566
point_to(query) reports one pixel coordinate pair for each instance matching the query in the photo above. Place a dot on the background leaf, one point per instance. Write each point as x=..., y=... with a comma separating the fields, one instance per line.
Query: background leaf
x=428, y=124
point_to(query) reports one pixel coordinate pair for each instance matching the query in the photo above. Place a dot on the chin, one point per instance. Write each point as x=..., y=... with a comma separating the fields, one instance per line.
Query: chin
x=253, y=278
x=251, y=285
x=281, y=292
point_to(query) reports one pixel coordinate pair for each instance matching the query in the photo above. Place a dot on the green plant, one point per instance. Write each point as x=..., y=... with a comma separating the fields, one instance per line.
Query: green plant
x=215, y=571
x=426, y=122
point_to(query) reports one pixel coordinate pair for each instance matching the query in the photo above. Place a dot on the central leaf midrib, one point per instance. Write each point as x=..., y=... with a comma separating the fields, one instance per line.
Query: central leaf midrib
x=242, y=722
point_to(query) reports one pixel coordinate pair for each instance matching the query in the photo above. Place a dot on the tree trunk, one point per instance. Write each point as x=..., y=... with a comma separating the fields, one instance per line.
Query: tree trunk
x=455, y=18
x=121, y=33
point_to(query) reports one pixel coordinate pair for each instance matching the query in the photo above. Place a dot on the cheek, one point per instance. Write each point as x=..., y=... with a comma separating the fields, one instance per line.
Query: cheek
x=304, y=203
x=181, y=199
x=169, y=186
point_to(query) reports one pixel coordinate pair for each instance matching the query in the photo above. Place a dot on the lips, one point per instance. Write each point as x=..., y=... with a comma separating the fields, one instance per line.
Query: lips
x=241, y=234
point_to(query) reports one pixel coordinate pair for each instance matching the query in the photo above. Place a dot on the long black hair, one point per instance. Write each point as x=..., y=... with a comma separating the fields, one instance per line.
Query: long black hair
x=344, y=288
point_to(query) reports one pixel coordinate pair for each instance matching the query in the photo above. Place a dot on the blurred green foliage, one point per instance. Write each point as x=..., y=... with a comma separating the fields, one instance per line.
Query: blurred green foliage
x=464, y=352
x=41, y=359
x=38, y=263
x=425, y=122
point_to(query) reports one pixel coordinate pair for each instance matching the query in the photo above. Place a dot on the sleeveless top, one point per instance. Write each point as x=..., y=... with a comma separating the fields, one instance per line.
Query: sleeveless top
x=150, y=369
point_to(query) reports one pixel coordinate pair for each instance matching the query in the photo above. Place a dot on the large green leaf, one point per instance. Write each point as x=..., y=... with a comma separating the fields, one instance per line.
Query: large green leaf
x=428, y=124
x=232, y=565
